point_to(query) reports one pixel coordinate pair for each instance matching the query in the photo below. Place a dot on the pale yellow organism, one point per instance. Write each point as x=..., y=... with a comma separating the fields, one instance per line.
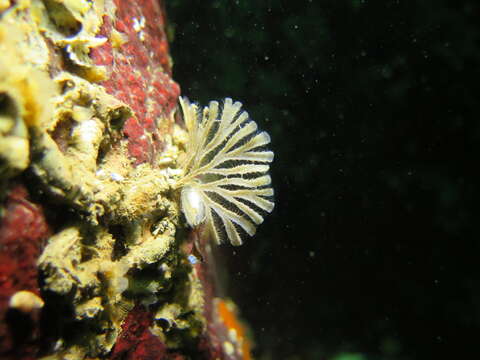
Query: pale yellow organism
x=225, y=182
x=4, y=4
x=26, y=301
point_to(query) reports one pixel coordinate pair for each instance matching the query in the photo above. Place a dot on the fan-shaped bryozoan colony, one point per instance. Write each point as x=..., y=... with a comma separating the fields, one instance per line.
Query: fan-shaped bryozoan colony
x=225, y=183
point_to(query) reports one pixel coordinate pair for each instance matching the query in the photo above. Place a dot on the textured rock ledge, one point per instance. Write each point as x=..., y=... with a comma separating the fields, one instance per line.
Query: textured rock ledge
x=95, y=260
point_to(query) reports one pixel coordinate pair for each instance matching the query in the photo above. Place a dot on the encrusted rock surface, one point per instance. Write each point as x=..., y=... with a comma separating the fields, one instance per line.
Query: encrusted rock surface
x=87, y=129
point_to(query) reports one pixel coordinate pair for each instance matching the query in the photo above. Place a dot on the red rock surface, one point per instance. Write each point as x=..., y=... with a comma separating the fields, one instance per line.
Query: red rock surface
x=23, y=230
x=139, y=72
x=136, y=342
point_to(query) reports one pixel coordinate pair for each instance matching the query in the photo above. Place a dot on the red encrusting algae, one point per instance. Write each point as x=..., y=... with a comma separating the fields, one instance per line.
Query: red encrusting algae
x=136, y=342
x=23, y=230
x=139, y=72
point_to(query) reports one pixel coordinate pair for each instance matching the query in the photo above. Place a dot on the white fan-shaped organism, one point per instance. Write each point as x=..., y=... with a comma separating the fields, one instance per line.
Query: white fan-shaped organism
x=225, y=183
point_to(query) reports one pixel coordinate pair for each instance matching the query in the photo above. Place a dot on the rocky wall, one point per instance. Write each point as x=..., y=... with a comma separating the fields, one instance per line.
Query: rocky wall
x=95, y=259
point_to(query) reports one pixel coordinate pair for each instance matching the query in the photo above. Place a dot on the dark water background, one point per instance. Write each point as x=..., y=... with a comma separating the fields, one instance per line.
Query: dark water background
x=373, y=248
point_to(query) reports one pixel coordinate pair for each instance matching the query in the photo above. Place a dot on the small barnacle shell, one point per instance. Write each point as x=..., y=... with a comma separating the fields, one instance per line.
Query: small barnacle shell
x=25, y=301
x=225, y=183
x=192, y=205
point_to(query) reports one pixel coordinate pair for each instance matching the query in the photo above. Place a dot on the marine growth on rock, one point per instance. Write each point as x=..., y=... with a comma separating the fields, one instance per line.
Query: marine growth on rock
x=88, y=136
